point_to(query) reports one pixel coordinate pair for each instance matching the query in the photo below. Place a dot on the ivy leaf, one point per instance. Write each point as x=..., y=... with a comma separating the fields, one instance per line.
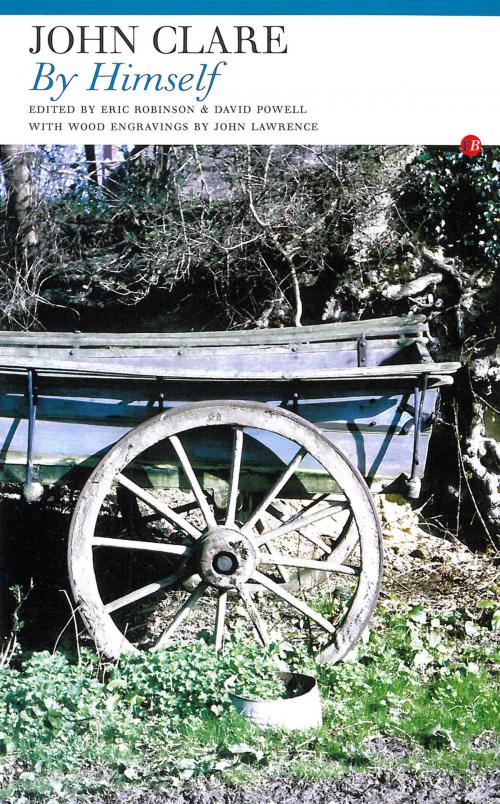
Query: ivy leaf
x=472, y=628
x=130, y=773
x=224, y=764
x=422, y=658
x=245, y=749
x=418, y=615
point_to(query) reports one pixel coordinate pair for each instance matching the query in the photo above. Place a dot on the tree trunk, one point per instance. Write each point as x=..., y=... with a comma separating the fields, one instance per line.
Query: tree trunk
x=17, y=169
x=21, y=267
x=91, y=160
x=481, y=459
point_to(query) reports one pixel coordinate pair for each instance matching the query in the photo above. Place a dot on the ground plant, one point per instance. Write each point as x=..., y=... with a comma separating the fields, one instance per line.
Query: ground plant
x=418, y=692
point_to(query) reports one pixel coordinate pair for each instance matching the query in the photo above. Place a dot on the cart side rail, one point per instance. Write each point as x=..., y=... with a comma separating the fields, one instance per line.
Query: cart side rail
x=437, y=373
x=392, y=326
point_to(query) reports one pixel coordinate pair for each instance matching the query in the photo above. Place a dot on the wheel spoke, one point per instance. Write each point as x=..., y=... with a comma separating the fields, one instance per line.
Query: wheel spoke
x=138, y=594
x=346, y=542
x=134, y=544
x=281, y=481
x=159, y=506
x=220, y=620
x=294, y=602
x=306, y=563
x=298, y=522
x=316, y=540
x=338, y=506
x=257, y=621
x=320, y=498
x=179, y=509
x=283, y=573
x=285, y=577
x=193, y=481
x=182, y=613
x=235, y=476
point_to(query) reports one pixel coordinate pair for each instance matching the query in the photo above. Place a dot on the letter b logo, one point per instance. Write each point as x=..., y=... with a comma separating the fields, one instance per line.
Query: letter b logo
x=471, y=145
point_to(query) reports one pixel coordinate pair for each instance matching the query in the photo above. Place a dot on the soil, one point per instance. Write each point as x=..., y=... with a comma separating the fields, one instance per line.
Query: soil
x=437, y=570
x=371, y=788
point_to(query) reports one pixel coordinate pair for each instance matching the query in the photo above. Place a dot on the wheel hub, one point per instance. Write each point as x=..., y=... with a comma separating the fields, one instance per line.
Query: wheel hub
x=226, y=557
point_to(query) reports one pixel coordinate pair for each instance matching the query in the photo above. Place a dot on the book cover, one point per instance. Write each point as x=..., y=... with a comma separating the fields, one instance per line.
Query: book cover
x=249, y=344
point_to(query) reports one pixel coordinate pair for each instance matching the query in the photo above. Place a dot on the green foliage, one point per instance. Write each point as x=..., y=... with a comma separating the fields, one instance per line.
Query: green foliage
x=9, y=645
x=425, y=685
x=191, y=680
x=422, y=680
x=56, y=716
x=453, y=200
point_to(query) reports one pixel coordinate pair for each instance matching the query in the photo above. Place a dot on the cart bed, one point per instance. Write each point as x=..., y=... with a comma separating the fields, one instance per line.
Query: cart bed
x=356, y=381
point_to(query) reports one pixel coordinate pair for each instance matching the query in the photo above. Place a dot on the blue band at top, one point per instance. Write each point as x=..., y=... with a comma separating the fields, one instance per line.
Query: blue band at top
x=466, y=8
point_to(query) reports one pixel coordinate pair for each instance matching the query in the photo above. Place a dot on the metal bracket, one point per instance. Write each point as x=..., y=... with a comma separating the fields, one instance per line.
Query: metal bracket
x=160, y=393
x=32, y=490
x=295, y=402
x=419, y=398
x=32, y=393
x=428, y=419
x=362, y=350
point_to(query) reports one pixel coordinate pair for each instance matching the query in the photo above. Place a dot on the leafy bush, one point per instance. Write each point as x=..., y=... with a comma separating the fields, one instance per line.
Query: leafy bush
x=191, y=680
x=58, y=716
x=452, y=201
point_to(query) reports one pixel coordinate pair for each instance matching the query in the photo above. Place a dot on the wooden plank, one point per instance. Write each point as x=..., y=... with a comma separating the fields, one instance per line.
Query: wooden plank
x=73, y=423
x=378, y=327
x=376, y=455
x=391, y=346
x=89, y=399
x=81, y=405
x=229, y=359
x=83, y=368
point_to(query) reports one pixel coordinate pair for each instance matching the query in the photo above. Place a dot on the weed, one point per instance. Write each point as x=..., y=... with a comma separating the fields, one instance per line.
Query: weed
x=9, y=647
x=419, y=691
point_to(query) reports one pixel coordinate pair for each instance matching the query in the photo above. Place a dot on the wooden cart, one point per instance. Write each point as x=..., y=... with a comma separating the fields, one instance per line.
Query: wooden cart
x=225, y=477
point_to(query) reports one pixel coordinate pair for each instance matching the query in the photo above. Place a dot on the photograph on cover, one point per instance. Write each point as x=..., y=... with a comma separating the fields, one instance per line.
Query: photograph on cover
x=232, y=378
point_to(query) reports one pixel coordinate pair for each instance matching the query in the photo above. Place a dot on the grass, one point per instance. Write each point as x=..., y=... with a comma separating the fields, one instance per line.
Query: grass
x=421, y=691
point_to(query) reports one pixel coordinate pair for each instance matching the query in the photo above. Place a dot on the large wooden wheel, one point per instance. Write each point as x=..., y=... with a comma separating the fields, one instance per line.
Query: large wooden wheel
x=206, y=566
